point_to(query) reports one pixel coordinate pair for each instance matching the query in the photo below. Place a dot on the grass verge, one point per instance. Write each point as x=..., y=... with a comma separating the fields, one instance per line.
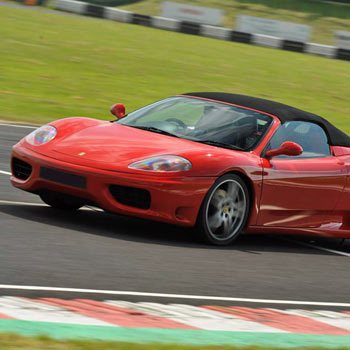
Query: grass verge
x=57, y=65
x=16, y=342
x=323, y=17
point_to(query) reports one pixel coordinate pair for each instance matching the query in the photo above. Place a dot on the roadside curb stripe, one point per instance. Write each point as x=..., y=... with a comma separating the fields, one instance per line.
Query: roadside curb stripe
x=29, y=310
x=198, y=317
x=289, y=322
x=150, y=320
x=142, y=315
x=336, y=319
x=114, y=315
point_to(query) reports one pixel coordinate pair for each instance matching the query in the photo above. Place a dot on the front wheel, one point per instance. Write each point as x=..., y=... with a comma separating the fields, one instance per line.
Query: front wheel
x=224, y=211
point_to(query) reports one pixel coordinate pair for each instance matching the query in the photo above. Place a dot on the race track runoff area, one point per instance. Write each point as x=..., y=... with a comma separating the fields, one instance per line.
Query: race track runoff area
x=40, y=247
x=90, y=249
x=144, y=322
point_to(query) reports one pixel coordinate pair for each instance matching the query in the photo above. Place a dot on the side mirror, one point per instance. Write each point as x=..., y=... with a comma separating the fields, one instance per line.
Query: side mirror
x=287, y=148
x=118, y=110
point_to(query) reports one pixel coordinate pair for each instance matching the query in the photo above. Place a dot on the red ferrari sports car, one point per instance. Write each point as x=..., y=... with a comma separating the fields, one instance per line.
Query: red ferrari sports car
x=224, y=163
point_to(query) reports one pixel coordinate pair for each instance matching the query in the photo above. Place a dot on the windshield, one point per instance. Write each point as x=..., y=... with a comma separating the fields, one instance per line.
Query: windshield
x=203, y=121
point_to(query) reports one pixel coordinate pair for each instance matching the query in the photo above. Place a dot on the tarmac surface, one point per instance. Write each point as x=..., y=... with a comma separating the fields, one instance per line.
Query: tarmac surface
x=40, y=246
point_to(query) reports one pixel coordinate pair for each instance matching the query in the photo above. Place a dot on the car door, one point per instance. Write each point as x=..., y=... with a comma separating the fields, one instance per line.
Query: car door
x=301, y=191
x=343, y=207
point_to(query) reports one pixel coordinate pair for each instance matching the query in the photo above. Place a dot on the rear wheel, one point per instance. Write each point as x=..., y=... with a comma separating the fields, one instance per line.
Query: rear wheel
x=225, y=211
x=61, y=201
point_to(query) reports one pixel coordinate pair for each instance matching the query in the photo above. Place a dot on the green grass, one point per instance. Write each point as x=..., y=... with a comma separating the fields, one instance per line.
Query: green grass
x=16, y=342
x=55, y=65
x=323, y=17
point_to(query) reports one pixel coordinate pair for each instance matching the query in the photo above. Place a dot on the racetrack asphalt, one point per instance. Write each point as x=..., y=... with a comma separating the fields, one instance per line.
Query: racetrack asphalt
x=94, y=250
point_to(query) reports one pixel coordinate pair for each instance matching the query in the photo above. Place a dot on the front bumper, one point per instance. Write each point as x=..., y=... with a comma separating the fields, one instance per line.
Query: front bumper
x=175, y=200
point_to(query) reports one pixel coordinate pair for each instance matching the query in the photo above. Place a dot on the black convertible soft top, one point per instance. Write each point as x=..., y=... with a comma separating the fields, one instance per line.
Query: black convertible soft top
x=283, y=112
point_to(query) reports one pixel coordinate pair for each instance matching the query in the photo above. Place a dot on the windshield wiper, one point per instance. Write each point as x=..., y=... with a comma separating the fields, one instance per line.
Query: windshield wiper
x=220, y=144
x=153, y=129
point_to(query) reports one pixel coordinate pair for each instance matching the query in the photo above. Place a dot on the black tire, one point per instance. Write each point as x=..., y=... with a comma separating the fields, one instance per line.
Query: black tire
x=61, y=201
x=224, y=213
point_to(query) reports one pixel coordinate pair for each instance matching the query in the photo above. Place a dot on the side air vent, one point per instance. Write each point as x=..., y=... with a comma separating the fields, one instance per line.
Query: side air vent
x=20, y=169
x=131, y=196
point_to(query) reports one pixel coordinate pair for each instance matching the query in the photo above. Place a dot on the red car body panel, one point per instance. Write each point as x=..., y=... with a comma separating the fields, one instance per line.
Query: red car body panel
x=288, y=196
x=186, y=193
x=292, y=191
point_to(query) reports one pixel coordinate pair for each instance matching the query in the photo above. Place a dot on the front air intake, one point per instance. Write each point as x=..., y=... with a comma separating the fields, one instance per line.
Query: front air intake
x=21, y=169
x=131, y=196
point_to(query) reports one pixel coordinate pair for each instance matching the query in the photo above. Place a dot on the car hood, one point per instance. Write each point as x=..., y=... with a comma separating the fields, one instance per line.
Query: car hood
x=111, y=143
x=113, y=146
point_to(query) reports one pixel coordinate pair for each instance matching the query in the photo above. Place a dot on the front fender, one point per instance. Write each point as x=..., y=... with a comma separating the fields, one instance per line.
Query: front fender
x=65, y=127
x=68, y=126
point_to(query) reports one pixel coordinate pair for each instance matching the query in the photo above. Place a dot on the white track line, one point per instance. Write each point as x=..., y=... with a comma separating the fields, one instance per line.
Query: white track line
x=19, y=126
x=5, y=172
x=176, y=296
x=282, y=239
x=315, y=247
x=22, y=203
x=88, y=208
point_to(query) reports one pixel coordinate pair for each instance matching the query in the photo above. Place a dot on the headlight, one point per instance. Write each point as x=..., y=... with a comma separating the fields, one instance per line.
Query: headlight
x=165, y=163
x=41, y=135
